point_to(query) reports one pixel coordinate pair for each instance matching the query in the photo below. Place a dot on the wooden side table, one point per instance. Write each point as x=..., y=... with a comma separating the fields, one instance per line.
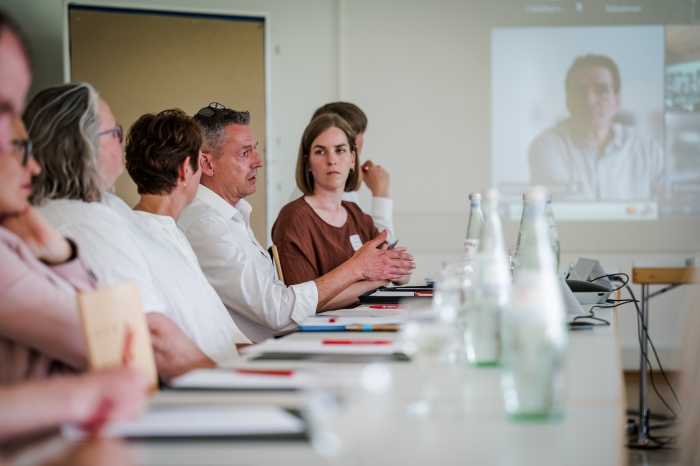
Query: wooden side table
x=646, y=276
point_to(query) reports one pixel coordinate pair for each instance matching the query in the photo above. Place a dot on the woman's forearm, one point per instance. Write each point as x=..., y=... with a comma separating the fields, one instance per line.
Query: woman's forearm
x=349, y=296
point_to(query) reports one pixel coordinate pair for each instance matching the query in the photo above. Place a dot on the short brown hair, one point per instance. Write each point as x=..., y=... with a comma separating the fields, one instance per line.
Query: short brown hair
x=305, y=181
x=156, y=147
x=349, y=112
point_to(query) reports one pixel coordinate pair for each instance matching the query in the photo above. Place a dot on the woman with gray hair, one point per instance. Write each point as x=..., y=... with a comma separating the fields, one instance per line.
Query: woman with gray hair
x=78, y=145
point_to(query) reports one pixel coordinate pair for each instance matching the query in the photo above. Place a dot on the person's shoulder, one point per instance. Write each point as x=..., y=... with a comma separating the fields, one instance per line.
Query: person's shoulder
x=198, y=210
x=295, y=210
x=632, y=134
x=356, y=212
x=62, y=212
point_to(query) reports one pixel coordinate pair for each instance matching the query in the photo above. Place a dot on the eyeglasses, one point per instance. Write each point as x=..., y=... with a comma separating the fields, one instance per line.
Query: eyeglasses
x=118, y=131
x=23, y=148
x=210, y=111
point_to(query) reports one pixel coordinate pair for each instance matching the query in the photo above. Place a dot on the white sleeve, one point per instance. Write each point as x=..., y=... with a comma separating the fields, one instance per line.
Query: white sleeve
x=240, y=285
x=382, y=212
x=111, y=254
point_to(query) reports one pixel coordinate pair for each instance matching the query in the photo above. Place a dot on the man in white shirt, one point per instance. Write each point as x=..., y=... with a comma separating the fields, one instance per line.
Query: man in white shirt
x=217, y=225
x=375, y=177
x=588, y=157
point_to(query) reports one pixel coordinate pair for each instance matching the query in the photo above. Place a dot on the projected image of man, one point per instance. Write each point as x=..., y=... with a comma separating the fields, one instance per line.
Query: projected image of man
x=589, y=156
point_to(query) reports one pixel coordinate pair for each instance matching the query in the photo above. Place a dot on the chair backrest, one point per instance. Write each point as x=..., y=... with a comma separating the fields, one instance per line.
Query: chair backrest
x=276, y=259
x=116, y=331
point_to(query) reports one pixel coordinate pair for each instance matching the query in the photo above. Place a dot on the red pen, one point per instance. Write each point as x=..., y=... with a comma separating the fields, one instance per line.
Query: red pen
x=265, y=372
x=333, y=319
x=385, y=306
x=357, y=342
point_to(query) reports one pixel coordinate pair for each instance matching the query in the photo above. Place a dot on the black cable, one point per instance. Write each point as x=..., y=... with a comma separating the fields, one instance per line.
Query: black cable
x=656, y=355
x=614, y=276
x=593, y=317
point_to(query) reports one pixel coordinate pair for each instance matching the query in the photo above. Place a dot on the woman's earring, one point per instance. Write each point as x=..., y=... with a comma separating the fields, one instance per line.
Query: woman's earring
x=352, y=170
x=184, y=183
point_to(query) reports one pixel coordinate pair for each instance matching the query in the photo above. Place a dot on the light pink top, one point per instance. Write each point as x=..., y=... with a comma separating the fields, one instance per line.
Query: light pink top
x=40, y=328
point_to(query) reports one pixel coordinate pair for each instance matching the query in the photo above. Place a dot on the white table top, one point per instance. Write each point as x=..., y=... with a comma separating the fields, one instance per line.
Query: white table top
x=591, y=432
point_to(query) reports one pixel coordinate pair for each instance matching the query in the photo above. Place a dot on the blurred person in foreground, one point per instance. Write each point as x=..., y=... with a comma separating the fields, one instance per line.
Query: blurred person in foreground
x=217, y=226
x=375, y=177
x=320, y=231
x=40, y=273
x=589, y=157
x=162, y=157
x=77, y=143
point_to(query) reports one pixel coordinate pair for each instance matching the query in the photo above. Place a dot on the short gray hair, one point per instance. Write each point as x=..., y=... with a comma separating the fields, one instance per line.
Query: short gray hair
x=214, y=121
x=63, y=123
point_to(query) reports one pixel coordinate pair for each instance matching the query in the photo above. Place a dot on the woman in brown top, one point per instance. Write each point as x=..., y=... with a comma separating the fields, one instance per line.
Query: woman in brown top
x=319, y=231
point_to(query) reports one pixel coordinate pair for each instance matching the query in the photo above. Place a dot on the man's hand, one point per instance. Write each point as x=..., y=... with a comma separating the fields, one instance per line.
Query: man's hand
x=382, y=264
x=39, y=235
x=376, y=179
x=174, y=352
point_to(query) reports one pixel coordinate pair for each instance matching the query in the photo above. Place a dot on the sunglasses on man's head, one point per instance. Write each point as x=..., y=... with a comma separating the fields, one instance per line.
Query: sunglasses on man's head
x=210, y=110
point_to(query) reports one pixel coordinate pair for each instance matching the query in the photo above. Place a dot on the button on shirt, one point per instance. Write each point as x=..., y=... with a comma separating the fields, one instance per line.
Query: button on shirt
x=629, y=167
x=241, y=271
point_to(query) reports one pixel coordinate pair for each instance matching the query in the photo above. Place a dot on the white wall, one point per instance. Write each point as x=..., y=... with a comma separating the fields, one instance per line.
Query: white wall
x=420, y=70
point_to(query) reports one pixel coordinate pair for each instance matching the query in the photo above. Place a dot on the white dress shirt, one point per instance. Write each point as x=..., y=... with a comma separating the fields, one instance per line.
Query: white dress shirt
x=118, y=246
x=165, y=229
x=241, y=271
x=382, y=210
x=629, y=168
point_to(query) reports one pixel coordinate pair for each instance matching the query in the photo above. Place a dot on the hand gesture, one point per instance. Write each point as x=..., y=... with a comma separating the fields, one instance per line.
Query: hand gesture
x=382, y=264
x=39, y=235
x=376, y=179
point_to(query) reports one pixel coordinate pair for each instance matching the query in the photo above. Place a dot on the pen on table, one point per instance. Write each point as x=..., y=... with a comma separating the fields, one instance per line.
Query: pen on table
x=393, y=245
x=357, y=342
x=281, y=373
x=385, y=306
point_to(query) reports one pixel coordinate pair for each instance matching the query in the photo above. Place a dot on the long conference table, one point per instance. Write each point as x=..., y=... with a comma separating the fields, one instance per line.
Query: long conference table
x=479, y=432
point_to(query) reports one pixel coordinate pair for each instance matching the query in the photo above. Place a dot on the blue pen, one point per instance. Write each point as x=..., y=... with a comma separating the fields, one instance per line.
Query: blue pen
x=392, y=245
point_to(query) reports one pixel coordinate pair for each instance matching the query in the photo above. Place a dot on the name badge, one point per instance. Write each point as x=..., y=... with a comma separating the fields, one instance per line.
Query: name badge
x=356, y=242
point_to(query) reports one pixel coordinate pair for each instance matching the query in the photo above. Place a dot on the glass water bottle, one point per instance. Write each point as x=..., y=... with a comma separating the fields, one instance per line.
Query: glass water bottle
x=491, y=293
x=476, y=224
x=535, y=337
x=553, y=233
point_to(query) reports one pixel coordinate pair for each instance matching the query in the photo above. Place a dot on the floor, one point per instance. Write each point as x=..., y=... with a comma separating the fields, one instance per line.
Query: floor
x=664, y=457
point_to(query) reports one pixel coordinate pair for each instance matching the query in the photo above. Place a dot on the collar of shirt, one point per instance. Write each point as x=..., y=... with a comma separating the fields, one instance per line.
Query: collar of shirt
x=242, y=210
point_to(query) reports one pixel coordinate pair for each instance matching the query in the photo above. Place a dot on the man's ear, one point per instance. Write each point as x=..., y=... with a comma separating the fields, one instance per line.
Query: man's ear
x=206, y=161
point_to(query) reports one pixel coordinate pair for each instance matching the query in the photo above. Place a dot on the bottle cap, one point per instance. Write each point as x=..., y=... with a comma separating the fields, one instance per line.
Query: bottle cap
x=475, y=197
x=536, y=194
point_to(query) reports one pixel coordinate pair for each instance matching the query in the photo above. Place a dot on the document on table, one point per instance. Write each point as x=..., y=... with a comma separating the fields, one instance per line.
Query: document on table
x=240, y=379
x=337, y=346
x=200, y=421
x=345, y=320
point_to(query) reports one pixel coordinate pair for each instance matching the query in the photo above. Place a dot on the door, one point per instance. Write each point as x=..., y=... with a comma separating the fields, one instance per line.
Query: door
x=143, y=61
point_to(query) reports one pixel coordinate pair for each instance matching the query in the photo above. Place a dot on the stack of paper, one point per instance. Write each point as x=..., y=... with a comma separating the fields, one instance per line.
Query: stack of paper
x=240, y=379
x=339, y=346
x=201, y=421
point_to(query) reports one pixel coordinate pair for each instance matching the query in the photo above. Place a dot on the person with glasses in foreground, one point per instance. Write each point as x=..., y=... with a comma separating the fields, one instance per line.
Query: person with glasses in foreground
x=40, y=274
x=77, y=142
x=319, y=231
x=217, y=225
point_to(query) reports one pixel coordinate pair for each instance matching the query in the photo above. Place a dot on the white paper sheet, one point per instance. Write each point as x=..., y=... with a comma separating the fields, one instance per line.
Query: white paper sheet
x=392, y=294
x=230, y=379
x=360, y=320
x=201, y=421
x=317, y=347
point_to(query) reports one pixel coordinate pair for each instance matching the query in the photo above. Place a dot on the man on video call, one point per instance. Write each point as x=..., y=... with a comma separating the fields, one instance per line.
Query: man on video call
x=588, y=156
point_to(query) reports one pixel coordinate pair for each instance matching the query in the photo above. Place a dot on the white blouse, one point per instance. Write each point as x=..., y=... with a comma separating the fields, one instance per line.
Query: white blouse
x=117, y=246
x=166, y=230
